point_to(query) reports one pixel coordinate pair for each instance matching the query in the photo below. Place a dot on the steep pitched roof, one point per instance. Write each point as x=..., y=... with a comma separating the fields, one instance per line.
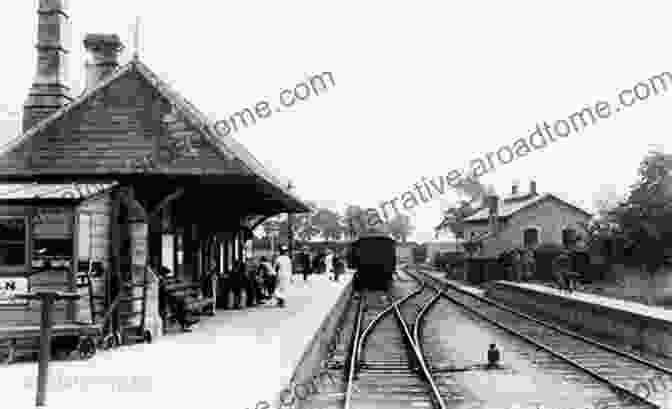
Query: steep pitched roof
x=512, y=205
x=225, y=145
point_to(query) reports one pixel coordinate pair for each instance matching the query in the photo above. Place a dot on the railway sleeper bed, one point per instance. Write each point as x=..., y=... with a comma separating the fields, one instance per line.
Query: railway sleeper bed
x=65, y=337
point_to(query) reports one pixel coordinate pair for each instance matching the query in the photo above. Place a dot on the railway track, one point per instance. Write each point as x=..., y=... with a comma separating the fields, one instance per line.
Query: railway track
x=624, y=373
x=380, y=365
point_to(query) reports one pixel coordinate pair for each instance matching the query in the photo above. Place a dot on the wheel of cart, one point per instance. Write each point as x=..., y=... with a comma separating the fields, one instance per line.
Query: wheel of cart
x=23, y=339
x=130, y=333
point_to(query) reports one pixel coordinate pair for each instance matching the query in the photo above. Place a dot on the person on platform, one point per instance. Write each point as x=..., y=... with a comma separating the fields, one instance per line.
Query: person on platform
x=339, y=267
x=251, y=288
x=329, y=263
x=305, y=263
x=176, y=302
x=562, y=273
x=238, y=284
x=265, y=274
x=283, y=268
x=317, y=264
x=528, y=264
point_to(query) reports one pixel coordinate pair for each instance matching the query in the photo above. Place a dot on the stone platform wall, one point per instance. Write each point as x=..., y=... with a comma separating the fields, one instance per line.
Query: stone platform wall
x=653, y=334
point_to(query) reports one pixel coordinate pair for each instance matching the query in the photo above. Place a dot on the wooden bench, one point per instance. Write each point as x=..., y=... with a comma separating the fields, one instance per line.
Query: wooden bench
x=20, y=338
x=196, y=301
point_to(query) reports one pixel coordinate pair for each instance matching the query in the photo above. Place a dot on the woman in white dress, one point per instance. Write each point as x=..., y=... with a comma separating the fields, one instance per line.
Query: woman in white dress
x=283, y=266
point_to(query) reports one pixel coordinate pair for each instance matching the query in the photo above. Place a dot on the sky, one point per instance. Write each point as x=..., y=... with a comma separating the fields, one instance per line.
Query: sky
x=421, y=88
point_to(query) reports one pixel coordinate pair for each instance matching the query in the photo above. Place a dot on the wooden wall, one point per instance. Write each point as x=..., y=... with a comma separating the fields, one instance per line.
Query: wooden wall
x=86, y=228
x=48, y=223
x=94, y=243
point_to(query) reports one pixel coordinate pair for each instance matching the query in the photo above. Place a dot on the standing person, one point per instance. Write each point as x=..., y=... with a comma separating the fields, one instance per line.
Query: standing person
x=251, y=286
x=317, y=263
x=329, y=263
x=560, y=272
x=265, y=275
x=517, y=265
x=238, y=284
x=305, y=259
x=339, y=267
x=528, y=264
x=283, y=267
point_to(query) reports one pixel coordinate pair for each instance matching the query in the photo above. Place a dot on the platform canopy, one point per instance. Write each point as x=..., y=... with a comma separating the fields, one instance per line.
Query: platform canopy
x=132, y=118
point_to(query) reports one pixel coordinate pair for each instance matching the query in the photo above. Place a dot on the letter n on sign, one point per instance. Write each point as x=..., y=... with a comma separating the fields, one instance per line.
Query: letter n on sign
x=10, y=286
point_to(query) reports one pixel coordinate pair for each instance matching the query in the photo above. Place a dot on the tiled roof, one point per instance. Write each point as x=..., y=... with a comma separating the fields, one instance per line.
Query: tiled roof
x=225, y=145
x=507, y=206
x=513, y=204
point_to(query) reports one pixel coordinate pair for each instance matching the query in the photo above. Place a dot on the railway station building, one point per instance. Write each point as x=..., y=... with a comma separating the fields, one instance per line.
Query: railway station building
x=126, y=177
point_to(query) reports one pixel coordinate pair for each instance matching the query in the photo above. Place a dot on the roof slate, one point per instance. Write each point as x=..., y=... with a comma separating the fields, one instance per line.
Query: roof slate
x=511, y=205
x=225, y=145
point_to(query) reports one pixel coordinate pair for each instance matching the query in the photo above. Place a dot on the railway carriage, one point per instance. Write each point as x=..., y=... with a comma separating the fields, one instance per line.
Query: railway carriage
x=375, y=259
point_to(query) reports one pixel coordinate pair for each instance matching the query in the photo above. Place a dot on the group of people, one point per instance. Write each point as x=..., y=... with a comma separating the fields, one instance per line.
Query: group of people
x=563, y=274
x=519, y=264
x=267, y=282
x=326, y=262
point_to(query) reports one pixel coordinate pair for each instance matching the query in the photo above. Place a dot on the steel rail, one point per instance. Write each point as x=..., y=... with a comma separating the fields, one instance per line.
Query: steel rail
x=554, y=327
x=415, y=345
x=380, y=316
x=353, y=355
x=358, y=342
x=572, y=362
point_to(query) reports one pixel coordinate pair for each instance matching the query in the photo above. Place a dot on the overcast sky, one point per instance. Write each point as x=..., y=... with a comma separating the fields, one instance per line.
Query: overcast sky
x=421, y=87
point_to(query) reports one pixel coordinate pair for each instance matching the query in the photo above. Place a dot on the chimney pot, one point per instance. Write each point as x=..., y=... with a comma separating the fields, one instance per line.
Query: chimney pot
x=533, y=187
x=104, y=50
x=514, y=189
x=49, y=91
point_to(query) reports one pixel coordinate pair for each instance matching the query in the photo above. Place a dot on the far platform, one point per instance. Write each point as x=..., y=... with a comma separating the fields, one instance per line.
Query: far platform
x=640, y=328
x=233, y=360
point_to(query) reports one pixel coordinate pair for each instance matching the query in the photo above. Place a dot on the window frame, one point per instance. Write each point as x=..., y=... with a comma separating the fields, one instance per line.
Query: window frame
x=19, y=270
x=562, y=233
x=537, y=229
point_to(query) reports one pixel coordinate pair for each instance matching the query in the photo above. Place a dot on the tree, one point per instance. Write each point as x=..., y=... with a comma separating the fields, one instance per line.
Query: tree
x=607, y=198
x=645, y=217
x=328, y=223
x=354, y=221
x=453, y=217
x=400, y=227
x=303, y=224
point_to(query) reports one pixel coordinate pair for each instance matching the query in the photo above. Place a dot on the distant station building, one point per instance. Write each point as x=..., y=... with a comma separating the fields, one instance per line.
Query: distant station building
x=522, y=220
x=117, y=182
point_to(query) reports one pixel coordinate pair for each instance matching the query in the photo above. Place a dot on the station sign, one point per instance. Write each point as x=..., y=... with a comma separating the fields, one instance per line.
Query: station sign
x=9, y=286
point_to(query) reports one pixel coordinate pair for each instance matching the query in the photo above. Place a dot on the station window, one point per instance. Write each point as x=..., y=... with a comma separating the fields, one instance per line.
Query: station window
x=531, y=237
x=568, y=237
x=12, y=242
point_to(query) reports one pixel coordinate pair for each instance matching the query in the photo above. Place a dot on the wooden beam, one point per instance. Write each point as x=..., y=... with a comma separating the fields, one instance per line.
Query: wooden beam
x=74, y=264
x=165, y=202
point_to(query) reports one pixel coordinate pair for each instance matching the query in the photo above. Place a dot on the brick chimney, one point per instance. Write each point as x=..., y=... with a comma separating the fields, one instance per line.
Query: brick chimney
x=49, y=91
x=533, y=187
x=103, y=59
